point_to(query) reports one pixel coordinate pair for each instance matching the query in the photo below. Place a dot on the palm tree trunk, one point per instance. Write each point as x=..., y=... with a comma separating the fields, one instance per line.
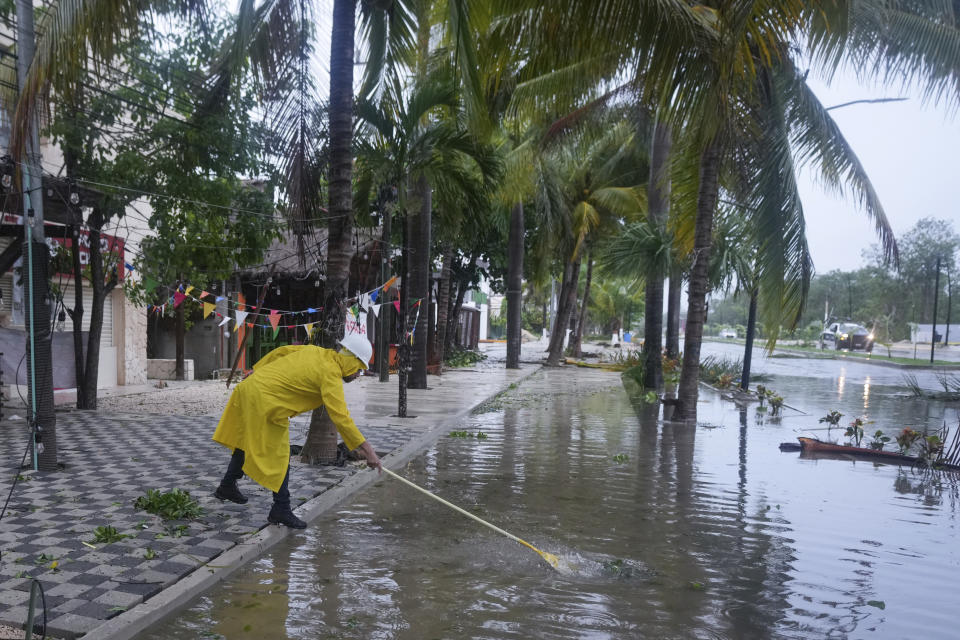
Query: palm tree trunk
x=568, y=300
x=443, y=300
x=687, y=390
x=674, y=293
x=748, y=347
x=420, y=286
x=514, y=286
x=577, y=348
x=659, y=204
x=321, y=444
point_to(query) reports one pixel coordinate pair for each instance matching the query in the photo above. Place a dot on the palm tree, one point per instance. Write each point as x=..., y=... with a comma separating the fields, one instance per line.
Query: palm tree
x=597, y=180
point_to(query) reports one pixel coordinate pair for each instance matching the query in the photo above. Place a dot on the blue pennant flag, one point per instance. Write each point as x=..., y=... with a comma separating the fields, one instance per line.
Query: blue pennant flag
x=373, y=295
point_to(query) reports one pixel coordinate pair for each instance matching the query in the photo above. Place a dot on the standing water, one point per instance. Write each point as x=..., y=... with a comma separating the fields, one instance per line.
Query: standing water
x=666, y=530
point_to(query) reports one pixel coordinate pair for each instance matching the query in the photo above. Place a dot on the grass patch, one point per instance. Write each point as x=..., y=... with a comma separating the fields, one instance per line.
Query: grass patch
x=172, y=505
x=923, y=362
x=108, y=534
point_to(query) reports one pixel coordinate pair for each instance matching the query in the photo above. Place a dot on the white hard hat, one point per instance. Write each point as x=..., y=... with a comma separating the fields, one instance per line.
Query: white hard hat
x=358, y=346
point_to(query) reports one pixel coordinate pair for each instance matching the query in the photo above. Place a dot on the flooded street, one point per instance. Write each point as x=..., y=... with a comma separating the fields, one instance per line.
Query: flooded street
x=668, y=530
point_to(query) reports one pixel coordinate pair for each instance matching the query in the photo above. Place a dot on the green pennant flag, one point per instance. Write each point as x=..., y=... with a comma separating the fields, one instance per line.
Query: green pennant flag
x=355, y=311
x=150, y=284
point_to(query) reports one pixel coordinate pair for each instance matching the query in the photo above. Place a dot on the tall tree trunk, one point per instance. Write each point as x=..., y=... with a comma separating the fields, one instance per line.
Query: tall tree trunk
x=748, y=347
x=100, y=292
x=674, y=294
x=180, y=330
x=463, y=283
x=443, y=300
x=687, y=390
x=555, y=330
x=321, y=444
x=403, y=348
x=514, y=287
x=577, y=347
x=76, y=316
x=568, y=301
x=420, y=285
x=658, y=190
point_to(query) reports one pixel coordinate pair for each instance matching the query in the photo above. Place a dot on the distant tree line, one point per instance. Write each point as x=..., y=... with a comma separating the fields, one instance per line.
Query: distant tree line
x=878, y=295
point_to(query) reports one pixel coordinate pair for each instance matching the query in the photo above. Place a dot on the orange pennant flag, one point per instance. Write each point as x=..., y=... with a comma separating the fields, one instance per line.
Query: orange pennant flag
x=204, y=294
x=389, y=283
x=274, y=320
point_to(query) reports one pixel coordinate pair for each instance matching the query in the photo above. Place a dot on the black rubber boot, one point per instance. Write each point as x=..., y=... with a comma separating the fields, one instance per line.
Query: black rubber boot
x=286, y=518
x=231, y=493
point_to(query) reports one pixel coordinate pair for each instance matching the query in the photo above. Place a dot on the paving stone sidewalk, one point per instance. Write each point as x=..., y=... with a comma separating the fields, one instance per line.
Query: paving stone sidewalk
x=111, y=459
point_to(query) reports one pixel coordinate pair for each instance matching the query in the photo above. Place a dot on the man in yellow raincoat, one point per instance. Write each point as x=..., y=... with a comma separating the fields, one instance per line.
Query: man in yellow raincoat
x=287, y=381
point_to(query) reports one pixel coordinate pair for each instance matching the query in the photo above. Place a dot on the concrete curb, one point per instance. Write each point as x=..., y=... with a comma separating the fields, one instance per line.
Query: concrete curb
x=142, y=616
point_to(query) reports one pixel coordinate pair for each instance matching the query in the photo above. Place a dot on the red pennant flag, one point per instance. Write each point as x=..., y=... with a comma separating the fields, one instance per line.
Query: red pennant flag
x=396, y=305
x=274, y=320
x=177, y=298
x=204, y=294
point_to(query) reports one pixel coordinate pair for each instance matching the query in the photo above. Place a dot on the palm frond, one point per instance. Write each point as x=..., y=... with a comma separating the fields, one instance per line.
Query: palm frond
x=818, y=141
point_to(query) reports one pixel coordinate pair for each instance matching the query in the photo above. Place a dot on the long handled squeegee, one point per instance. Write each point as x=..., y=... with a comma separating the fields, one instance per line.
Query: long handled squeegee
x=549, y=558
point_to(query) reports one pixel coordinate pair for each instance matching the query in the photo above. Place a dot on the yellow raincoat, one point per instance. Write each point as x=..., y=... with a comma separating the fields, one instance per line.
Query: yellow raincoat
x=287, y=381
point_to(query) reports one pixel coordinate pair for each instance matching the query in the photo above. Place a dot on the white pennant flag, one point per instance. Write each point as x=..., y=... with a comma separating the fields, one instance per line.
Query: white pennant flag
x=241, y=316
x=376, y=310
x=225, y=320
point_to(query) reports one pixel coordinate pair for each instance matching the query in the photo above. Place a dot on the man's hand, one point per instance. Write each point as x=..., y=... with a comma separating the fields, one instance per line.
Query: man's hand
x=373, y=460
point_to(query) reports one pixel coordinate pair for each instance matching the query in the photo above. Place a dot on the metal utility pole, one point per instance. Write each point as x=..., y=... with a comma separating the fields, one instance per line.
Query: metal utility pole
x=946, y=339
x=37, y=316
x=936, y=294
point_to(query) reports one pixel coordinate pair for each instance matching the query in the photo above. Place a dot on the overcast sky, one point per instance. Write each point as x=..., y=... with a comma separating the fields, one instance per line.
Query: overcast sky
x=910, y=153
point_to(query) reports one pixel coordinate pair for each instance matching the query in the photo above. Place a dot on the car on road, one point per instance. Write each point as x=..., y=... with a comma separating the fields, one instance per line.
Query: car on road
x=846, y=335
x=728, y=333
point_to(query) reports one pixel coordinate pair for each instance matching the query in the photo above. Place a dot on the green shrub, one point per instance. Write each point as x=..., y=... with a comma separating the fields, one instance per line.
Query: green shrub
x=172, y=505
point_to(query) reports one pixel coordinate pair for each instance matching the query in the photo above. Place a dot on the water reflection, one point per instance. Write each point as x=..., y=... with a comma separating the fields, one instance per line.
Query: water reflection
x=682, y=531
x=866, y=394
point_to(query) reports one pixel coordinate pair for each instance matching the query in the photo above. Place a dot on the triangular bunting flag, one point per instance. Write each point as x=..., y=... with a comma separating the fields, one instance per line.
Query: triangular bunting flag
x=177, y=298
x=311, y=310
x=189, y=289
x=355, y=311
x=249, y=325
x=376, y=310
x=389, y=283
x=374, y=294
x=241, y=316
x=396, y=305
x=150, y=284
x=309, y=328
x=274, y=321
x=417, y=303
x=204, y=294
x=207, y=308
x=225, y=320
x=219, y=298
